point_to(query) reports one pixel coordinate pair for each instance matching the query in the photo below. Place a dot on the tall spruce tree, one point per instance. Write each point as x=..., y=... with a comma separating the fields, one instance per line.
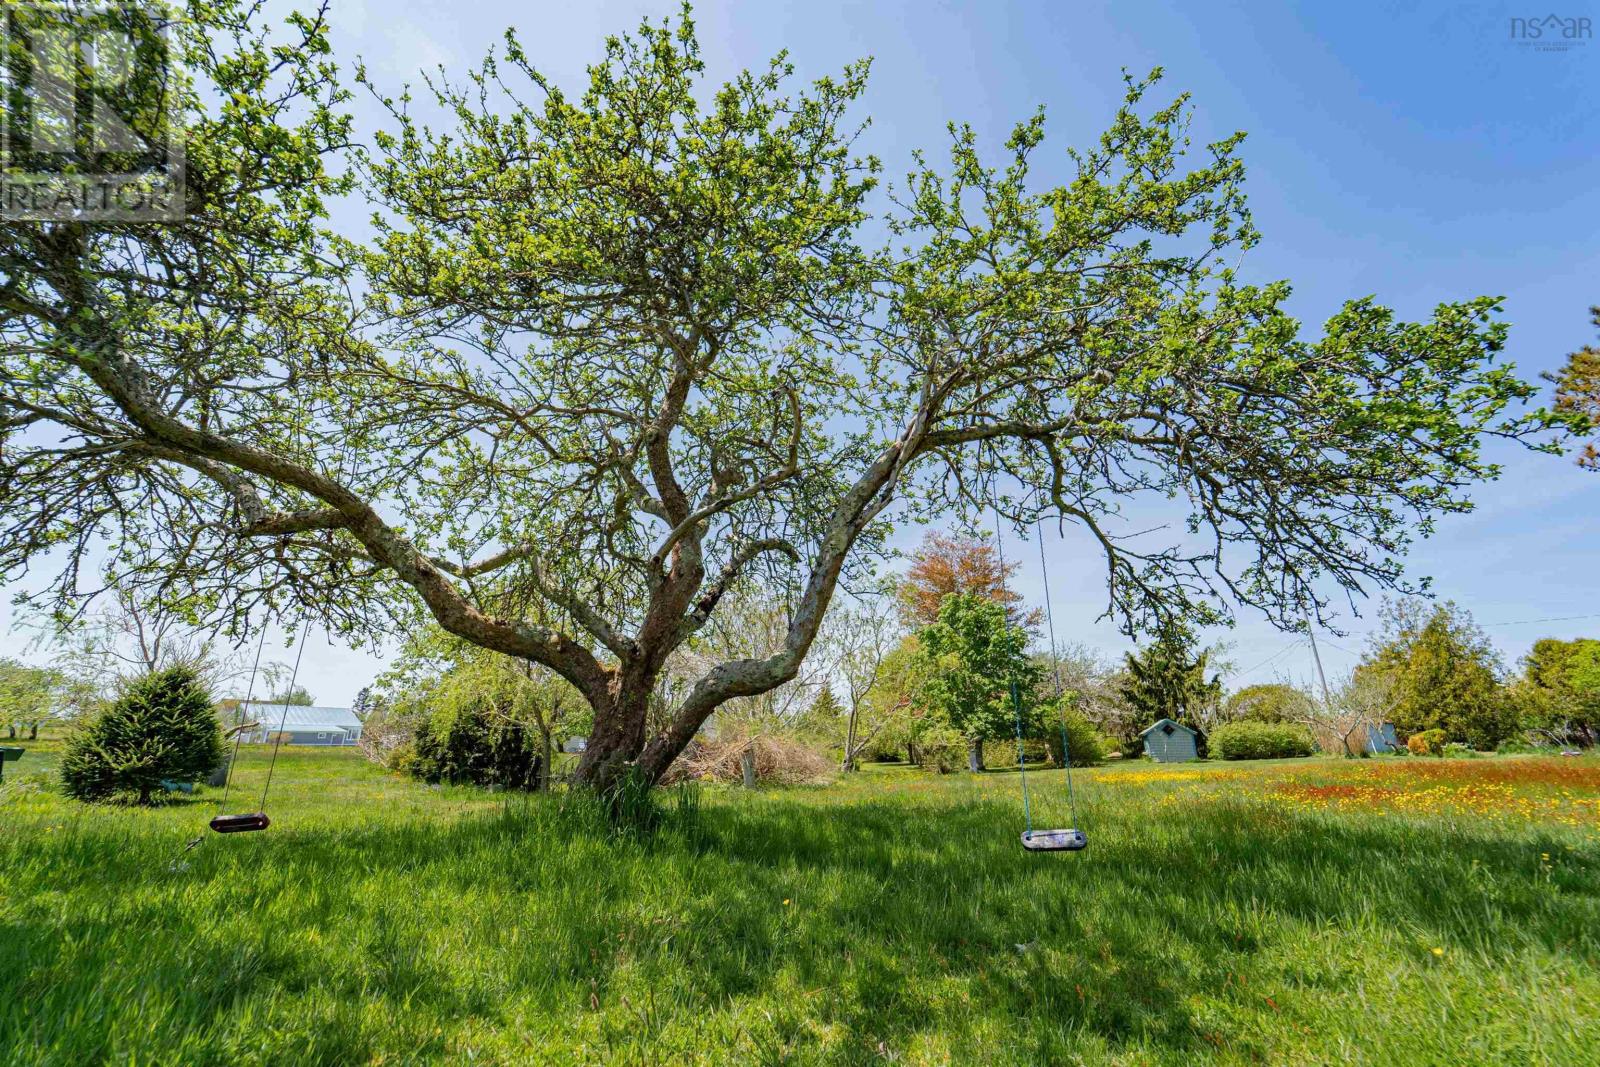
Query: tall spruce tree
x=1167, y=679
x=163, y=727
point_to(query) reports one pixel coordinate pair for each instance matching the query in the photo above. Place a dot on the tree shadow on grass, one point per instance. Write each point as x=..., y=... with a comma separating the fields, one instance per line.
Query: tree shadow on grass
x=1143, y=920
x=910, y=916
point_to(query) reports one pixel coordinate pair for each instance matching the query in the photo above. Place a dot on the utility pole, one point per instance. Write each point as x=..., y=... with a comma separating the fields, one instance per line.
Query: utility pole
x=1327, y=698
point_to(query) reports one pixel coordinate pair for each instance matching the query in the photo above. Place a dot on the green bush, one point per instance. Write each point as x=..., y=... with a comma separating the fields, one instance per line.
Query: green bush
x=942, y=749
x=1426, y=742
x=476, y=747
x=1260, y=740
x=1002, y=755
x=1088, y=744
x=162, y=727
x=1520, y=746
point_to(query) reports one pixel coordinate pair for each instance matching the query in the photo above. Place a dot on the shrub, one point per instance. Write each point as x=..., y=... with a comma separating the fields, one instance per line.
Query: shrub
x=1521, y=746
x=1456, y=750
x=1002, y=755
x=778, y=759
x=1260, y=740
x=1088, y=745
x=1426, y=742
x=941, y=748
x=162, y=726
x=477, y=747
x=1274, y=702
x=388, y=738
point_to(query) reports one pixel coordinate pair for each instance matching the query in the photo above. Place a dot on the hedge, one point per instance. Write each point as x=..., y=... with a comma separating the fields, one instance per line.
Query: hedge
x=1260, y=740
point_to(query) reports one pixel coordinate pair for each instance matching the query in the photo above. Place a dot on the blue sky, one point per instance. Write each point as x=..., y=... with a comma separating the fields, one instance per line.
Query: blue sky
x=1408, y=151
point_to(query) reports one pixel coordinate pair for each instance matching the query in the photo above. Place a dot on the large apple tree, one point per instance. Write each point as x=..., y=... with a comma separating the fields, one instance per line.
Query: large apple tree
x=604, y=357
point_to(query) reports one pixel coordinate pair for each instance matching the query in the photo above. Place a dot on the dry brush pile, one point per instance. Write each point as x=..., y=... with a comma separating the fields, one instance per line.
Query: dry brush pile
x=777, y=760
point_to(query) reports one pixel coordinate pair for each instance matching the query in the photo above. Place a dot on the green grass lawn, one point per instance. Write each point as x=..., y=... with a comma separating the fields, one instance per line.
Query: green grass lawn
x=1381, y=911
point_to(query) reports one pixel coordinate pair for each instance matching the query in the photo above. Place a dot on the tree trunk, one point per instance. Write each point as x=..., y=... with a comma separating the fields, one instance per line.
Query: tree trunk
x=975, y=756
x=747, y=763
x=13, y=735
x=33, y=731
x=850, y=744
x=614, y=743
x=545, y=753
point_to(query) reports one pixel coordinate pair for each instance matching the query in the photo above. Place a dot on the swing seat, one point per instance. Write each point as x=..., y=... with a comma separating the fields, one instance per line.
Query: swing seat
x=1054, y=840
x=238, y=824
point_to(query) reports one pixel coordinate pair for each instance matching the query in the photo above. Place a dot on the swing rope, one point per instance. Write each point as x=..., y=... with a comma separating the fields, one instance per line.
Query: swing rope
x=238, y=734
x=1055, y=664
x=283, y=719
x=1016, y=692
x=346, y=458
x=224, y=823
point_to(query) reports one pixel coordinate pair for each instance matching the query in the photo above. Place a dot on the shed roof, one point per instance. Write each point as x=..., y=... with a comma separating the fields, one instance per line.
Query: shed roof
x=301, y=718
x=1162, y=722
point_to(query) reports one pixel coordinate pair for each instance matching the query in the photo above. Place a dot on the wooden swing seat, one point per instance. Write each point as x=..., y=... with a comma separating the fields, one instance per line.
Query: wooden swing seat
x=1054, y=840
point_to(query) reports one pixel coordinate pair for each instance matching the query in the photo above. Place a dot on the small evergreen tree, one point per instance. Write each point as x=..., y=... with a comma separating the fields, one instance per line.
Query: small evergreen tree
x=824, y=720
x=478, y=745
x=162, y=726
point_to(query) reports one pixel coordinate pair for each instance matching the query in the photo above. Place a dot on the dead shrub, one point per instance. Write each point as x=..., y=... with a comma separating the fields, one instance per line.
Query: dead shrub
x=778, y=760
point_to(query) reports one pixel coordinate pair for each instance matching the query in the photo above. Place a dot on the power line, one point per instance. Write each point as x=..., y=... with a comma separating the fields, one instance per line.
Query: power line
x=1300, y=641
x=1341, y=648
x=1296, y=643
x=1555, y=618
x=1514, y=622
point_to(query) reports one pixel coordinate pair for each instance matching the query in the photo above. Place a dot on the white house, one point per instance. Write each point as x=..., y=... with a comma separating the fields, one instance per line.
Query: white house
x=301, y=725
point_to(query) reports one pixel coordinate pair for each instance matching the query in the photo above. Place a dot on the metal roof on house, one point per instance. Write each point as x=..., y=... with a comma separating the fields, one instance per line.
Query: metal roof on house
x=300, y=718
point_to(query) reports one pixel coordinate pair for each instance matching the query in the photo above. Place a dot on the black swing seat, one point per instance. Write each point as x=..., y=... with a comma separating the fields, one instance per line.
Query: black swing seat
x=1054, y=840
x=238, y=824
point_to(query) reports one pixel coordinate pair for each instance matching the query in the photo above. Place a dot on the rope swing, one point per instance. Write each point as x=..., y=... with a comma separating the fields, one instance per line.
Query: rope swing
x=1070, y=839
x=257, y=820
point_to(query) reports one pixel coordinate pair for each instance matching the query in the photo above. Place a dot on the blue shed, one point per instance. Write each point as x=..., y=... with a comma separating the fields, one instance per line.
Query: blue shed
x=1382, y=738
x=1166, y=741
